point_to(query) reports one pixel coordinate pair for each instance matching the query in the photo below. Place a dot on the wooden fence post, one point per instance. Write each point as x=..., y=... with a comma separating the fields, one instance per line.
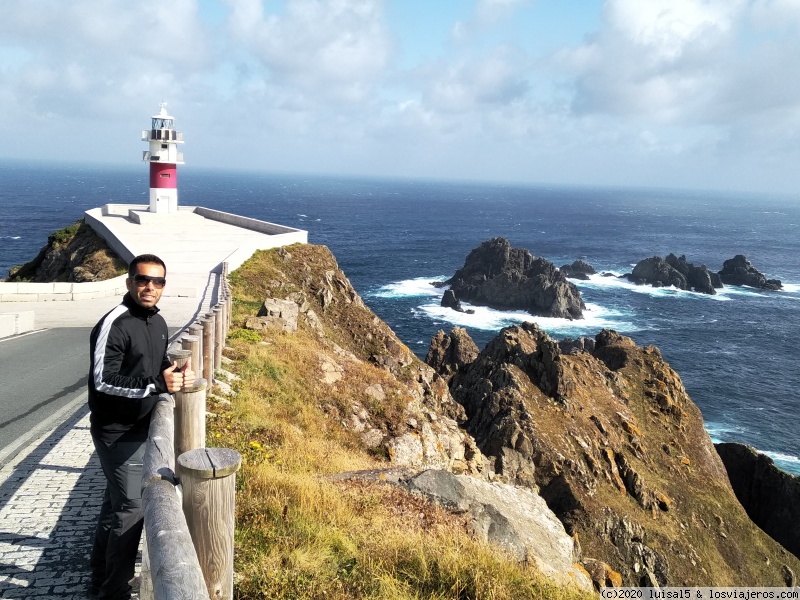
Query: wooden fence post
x=208, y=347
x=196, y=329
x=192, y=343
x=208, y=477
x=190, y=417
x=219, y=335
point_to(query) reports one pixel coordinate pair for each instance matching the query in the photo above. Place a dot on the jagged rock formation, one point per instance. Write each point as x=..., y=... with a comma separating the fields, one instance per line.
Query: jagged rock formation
x=770, y=496
x=497, y=275
x=675, y=271
x=450, y=352
x=406, y=412
x=578, y=270
x=618, y=451
x=449, y=300
x=739, y=271
x=75, y=253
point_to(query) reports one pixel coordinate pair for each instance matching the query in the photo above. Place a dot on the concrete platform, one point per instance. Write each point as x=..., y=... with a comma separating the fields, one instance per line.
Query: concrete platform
x=194, y=242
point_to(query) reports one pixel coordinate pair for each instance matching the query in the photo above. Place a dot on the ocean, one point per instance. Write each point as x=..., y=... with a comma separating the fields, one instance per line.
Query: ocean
x=737, y=351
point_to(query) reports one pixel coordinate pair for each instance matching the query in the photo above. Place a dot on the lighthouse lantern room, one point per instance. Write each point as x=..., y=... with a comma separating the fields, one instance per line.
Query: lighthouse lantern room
x=164, y=158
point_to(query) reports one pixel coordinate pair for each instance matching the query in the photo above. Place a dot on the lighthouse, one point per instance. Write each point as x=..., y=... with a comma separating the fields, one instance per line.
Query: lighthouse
x=164, y=159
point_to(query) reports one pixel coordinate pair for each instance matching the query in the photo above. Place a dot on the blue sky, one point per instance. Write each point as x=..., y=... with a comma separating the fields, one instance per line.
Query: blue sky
x=700, y=94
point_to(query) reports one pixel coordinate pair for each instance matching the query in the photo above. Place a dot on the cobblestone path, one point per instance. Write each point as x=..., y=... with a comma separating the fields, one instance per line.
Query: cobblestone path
x=49, y=502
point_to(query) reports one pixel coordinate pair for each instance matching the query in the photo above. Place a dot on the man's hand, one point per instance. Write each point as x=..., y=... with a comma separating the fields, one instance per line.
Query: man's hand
x=188, y=374
x=173, y=378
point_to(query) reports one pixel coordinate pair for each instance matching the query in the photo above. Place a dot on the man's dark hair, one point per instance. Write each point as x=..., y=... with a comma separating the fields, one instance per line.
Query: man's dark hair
x=145, y=258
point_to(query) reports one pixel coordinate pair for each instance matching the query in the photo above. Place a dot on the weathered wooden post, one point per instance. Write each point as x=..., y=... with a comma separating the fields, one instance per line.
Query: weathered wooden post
x=196, y=329
x=208, y=477
x=208, y=347
x=190, y=417
x=190, y=410
x=192, y=344
x=219, y=335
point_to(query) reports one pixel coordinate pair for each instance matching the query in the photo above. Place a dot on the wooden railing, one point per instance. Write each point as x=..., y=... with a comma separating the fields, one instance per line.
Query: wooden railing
x=189, y=512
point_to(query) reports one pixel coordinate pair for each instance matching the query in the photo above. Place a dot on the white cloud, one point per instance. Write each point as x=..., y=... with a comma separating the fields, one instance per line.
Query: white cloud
x=90, y=60
x=335, y=48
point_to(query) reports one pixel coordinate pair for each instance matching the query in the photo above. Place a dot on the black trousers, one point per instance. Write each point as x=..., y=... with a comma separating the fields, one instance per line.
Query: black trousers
x=119, y=526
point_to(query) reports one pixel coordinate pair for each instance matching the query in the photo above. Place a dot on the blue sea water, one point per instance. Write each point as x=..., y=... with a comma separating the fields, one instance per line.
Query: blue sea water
x=737, y=352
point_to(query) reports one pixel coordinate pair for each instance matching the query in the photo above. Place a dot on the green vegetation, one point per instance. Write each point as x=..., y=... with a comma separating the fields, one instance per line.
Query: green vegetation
x=300, y=534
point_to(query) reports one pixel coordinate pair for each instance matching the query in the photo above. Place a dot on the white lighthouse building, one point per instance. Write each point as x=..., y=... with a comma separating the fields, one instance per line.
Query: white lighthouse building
x=164, y=159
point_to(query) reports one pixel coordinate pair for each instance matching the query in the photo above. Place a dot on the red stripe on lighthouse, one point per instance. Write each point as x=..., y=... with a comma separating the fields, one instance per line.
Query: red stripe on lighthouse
x=163, y=175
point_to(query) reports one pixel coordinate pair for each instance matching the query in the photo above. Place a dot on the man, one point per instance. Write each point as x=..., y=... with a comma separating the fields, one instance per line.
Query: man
x=129, y=369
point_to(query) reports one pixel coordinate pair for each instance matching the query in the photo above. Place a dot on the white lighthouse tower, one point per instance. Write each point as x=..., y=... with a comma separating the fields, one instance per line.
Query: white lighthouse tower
x=164, y=159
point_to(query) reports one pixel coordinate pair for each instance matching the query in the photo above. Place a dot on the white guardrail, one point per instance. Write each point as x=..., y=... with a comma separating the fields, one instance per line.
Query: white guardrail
x=11, y=291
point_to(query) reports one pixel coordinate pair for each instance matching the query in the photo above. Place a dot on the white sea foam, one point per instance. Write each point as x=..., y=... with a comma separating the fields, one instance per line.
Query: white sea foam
x=410, y=288
x=791, y=288
x=600, y=282
x=488, y=319
x=10, y=237
x=304, y=216
x=780, y=457
x=717, y=431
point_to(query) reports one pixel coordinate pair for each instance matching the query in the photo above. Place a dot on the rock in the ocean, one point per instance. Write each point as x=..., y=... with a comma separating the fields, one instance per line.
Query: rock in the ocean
x=739, y=271
x=578, y=270
x=449, y=300
x=770, y=496
x=674, y=271
x=497, y=275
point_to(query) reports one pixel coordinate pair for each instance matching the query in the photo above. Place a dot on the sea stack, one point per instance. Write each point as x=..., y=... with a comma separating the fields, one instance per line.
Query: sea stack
x=499, y=276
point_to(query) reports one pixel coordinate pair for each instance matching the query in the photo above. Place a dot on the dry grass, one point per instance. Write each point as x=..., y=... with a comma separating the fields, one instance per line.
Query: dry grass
x=301, y=535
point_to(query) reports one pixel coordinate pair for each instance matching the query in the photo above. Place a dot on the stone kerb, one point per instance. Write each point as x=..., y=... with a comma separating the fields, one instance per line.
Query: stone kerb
x=57, y=291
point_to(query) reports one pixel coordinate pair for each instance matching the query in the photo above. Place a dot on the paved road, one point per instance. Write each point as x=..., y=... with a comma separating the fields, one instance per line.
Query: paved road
x=41, y=373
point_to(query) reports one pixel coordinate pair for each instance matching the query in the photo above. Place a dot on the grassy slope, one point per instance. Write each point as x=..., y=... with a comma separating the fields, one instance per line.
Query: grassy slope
x=300, y=535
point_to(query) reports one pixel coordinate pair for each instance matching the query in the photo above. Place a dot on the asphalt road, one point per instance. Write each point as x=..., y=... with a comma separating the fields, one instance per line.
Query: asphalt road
x=40, y=373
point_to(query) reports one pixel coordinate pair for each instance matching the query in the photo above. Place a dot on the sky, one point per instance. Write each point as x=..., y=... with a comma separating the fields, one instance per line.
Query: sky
x=697, y=94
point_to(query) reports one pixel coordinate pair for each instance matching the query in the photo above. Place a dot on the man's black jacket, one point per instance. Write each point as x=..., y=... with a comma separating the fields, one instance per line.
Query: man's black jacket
x=128, y=353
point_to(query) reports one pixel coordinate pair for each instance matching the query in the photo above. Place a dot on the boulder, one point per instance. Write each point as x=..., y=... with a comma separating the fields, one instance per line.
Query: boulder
x=512, y=518
x=450, y=352
x=281, y=314
x=739, y=271
x=497, y=275
x=770, y=496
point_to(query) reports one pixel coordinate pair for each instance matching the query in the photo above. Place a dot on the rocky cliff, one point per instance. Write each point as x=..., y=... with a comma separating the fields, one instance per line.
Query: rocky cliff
x=770, y=496
x=616, y=447
x=497, y=275
x=601, y=429
x=75, y=253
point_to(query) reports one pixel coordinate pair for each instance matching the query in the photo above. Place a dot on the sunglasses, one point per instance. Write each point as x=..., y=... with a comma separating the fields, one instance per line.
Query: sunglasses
x=143, y=280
